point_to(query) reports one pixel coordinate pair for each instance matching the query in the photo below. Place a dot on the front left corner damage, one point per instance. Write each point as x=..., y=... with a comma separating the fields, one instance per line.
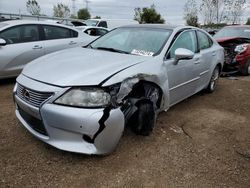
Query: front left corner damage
x=111, y=129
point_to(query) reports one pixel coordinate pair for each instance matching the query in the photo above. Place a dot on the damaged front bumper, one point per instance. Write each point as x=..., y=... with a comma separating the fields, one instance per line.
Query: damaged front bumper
x=236, y=64
x=80, y=130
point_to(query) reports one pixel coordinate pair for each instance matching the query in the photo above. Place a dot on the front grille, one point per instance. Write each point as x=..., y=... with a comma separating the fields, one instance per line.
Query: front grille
x=33, y=122
x=34, y=98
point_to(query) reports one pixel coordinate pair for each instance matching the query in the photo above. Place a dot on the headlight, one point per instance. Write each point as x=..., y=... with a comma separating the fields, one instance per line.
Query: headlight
x=85, y=97
x=241, y=48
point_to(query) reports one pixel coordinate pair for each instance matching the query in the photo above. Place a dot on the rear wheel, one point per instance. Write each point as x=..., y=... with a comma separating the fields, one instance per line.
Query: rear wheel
x=245, y=70
x=145, y=119
x=214, y=80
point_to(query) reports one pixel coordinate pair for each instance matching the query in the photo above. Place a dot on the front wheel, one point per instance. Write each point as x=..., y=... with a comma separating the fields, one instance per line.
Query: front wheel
x=145, y=120
x=214, y=80
x=245, y=70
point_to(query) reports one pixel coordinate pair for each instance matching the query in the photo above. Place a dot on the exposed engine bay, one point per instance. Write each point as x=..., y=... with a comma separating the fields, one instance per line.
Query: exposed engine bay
x=235, y=49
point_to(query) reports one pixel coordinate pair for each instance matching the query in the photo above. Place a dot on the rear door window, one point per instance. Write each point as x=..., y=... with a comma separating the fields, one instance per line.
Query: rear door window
x=204, y=41
x=54, y=32
x=30, y=33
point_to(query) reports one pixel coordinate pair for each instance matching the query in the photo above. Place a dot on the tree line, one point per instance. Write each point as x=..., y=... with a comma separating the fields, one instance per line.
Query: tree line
x=214, y=12
x=211, y=12
x=142, y=15
x=59, y=10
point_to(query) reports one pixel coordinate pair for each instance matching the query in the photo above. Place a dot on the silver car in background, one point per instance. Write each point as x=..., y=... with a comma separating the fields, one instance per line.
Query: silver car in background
x=23, y=41
x=93, y=31
x=80, y=100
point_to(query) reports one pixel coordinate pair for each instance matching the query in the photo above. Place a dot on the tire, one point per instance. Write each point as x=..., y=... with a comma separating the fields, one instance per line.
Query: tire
x=245, y=70
x=214, y=80
x=145, y=119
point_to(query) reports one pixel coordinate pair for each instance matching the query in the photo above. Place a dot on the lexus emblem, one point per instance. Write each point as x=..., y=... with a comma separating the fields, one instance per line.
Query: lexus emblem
x=26, y=94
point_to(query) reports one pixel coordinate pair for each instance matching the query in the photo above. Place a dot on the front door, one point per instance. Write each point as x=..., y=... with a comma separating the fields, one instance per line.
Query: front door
x=182, y=76
x=23, y=46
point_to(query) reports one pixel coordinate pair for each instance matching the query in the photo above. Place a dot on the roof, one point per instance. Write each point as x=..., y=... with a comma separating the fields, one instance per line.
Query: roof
x=19, y=22
x=14, y=22
x=88, y=27
x=158, y=26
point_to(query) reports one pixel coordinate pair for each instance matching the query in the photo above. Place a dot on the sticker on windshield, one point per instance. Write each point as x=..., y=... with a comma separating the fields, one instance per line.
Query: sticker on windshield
x=142, y=52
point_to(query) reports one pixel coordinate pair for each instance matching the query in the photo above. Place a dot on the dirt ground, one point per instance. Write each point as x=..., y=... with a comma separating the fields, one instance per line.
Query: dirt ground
x=202, y=142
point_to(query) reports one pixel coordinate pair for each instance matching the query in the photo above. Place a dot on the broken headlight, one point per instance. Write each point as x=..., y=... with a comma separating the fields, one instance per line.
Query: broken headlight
x=241, y=48
x=85, y=97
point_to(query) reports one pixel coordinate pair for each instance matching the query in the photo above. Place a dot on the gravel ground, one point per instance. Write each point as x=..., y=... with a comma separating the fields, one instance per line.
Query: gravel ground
x=202, y=142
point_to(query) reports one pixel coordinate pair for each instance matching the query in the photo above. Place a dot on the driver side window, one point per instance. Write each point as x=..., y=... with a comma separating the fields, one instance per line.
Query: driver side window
x=185, y=40
x=12, y=35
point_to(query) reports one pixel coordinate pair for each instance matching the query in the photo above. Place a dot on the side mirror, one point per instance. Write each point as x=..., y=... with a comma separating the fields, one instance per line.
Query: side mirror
x=182, y=53
x=2, y=42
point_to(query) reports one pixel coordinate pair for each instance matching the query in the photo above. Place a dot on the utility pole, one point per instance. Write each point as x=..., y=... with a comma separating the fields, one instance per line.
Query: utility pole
x=74, y=7
x=87, y=4
x=217, y=13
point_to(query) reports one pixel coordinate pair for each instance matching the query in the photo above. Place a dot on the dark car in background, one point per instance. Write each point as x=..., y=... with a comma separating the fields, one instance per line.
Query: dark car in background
x=236, y=42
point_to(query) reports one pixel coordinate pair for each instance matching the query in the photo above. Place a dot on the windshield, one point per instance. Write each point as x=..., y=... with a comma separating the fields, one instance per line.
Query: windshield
x=233, y=32
x=91, y=22
x=137, y=41
x=3, y=25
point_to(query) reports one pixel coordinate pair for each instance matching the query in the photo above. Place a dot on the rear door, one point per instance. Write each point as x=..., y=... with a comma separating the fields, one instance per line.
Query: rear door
x=23, y=45
x=208, y=56
x=182, y=77
x=59, y=38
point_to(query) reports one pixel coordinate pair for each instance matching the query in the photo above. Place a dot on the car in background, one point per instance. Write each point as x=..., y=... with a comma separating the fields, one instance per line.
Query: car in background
x=72, y=23
x=236, y=42
x=93, y=31
x=211, y=31
x=125, y=77
x=110, y=23
x=23, y=41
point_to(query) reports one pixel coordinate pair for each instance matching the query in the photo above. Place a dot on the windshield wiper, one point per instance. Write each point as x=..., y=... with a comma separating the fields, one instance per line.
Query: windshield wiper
x=112, y=50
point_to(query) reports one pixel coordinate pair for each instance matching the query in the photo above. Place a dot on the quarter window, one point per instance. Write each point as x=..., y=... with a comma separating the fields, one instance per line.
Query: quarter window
x=204, y=41
x=103, y=24
x=101, y=32
x=91, y=32
x=186, y=40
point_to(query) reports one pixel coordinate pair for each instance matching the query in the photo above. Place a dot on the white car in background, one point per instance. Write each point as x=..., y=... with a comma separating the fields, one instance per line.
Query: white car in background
x=23, y=41
x=93, y=31
x=110, y=23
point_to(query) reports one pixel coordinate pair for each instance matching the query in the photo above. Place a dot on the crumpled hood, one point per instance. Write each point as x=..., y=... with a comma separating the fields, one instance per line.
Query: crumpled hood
x=79, y=66
x=232, y=39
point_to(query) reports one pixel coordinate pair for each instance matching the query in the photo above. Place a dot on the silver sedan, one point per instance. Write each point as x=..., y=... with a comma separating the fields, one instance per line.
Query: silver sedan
x=80, y=100
x=23, y=41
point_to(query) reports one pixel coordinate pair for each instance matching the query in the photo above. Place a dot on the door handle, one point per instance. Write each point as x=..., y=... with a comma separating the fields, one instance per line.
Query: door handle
x=37, y=47
x=213, y=53
x=72, y=42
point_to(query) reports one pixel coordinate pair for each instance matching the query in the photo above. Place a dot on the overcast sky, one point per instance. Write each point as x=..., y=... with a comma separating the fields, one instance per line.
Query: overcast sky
x=171, y=10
